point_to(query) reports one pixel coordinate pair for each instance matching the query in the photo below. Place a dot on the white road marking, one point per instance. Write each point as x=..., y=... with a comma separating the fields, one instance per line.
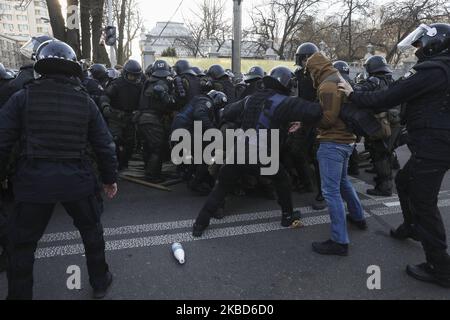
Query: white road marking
x=210, y=233
x=392, y=204
x=162, y=226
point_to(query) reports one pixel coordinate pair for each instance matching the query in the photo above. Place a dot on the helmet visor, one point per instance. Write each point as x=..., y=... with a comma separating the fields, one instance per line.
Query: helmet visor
x=409, y=42
x=29, y=48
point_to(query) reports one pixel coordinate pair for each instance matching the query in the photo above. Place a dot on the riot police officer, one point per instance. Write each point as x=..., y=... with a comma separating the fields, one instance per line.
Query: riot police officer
x=120, y=100
x=278, y=112
x=187, y=83
x=92, y=85
x=54, y=120
x=344, y=70
x=153, y=119
x=202, y=108
x=100, y=73
x=424, y=92
x=380, y=77
x=220, y=81
x=253, y=82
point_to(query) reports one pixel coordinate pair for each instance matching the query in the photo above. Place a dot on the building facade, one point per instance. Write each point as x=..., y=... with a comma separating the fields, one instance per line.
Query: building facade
x=19, y=20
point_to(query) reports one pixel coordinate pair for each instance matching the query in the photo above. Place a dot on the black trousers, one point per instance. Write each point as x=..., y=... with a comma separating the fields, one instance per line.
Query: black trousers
x=28, y=224
x=124, y=135
x=418, y=184
x=155, y=137
x=229, y=174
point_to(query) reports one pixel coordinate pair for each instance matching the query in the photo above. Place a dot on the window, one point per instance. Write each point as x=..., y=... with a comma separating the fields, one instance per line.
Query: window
x=23, y=27
x=40, y=30
x=6, y=17
x=22, y=17
x=4, y=6
x=37, y=12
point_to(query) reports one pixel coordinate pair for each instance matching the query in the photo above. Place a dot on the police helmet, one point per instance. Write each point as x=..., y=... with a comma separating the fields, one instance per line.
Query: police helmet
x=430, y=40
x=342, y=67
x=30, y=47
x=199, y=72
x=183, y=67
x=57, y=57
x=216, y=72
x=160, y=69
x=279, y=78
x=377, y=64
x=98, y=71
x=304, y=51
x=4, y=74
x=218, y=98
x=255, y=73
x=132, y=71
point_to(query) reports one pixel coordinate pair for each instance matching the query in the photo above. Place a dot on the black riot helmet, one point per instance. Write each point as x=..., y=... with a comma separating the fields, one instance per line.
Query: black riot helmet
x=4, y=74
x=255, y=73
x=218, y=98
x=342, y=67
x=57, y=57
x=430, y=40
x=183, y=67
x=199, y=72
x=304, y=51
x=280, y=78
x=161, y=69
x=98, y=71
x=377, y=64
x=30, y=47
x=132, y=71
x=216, y=72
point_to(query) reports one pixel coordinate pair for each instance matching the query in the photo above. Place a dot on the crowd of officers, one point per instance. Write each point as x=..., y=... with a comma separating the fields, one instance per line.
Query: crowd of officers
x=112, y=114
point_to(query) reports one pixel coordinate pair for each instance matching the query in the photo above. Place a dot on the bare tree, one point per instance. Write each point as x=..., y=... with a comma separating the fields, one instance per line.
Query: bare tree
x=129, y=21
x=208, y=22
x=400, y=18
x=85, y=21
x=278, y=21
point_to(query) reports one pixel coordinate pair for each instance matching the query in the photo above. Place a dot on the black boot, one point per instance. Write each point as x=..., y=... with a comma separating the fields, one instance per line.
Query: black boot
x=3, y=261
x=197, y=230
x=403, y=232
x=361, y=224
x=330, y=247
x=100, y=293
x=291, y=220
x=383, y=187
x=427, y=272
x=319, y=203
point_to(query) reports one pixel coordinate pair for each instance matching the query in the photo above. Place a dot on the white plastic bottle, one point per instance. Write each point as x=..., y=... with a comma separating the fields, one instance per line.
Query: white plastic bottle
x=178, y=252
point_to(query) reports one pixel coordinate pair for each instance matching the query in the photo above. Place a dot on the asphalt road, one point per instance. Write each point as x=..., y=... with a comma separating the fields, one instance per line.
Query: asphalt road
x=248, y=255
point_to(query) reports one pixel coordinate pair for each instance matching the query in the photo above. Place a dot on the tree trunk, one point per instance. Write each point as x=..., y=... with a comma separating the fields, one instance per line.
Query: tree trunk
x=56, y=19
x=85, y=17
x=73, y=28
x=350, y=58
x=97, y=29
x=121, y=23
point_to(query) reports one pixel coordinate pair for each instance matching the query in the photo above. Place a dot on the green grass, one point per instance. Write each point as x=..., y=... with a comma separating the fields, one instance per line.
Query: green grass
x=205, y=63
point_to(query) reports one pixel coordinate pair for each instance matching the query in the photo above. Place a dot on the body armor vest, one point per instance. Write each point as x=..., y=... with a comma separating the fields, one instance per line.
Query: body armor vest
x=152, y=99
x=56, y=121
x=128, y=94
x=432, y=110
x=226, y=87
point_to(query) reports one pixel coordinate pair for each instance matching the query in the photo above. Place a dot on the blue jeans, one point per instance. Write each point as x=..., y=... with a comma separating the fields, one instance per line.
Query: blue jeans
x=333, y=163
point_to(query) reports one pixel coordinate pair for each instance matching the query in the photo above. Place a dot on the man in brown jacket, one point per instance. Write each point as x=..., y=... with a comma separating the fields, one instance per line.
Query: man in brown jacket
x=336, y=146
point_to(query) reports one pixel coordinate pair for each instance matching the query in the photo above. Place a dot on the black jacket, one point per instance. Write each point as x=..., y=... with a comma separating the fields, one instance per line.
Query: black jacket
x=424, y=93
x=44, y=181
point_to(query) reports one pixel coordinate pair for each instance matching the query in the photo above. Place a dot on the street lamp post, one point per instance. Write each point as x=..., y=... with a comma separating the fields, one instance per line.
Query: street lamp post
x=237, y=37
